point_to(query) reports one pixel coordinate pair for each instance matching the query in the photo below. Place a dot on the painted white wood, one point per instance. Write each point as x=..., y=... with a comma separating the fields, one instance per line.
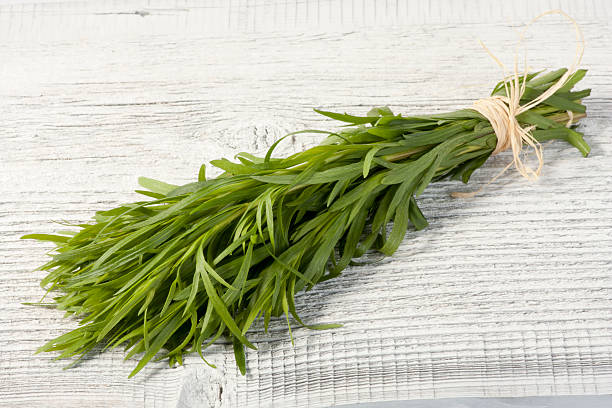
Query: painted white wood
x=506, y=294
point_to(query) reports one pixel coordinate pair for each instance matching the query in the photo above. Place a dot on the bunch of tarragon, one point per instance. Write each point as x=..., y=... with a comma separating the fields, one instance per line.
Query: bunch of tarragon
x=172, y=274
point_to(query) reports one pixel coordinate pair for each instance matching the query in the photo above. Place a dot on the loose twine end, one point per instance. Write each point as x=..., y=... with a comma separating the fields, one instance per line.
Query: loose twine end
x=501, y=111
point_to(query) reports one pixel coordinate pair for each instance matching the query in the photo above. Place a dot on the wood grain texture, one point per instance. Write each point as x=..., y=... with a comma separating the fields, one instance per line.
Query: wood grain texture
x=506, y=294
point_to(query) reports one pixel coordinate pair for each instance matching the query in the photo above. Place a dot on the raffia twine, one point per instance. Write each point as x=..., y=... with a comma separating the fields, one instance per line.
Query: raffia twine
x=501, y=111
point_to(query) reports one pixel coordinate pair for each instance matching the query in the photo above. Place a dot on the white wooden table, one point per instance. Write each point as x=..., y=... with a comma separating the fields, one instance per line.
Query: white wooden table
x=505, y=294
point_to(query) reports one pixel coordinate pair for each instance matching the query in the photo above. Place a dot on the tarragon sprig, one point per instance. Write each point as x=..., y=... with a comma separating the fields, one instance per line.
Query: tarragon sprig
x=191, y=264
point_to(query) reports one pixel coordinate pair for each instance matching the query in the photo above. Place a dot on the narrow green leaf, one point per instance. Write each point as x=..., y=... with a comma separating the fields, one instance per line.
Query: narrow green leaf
x=347, y=118
x=156, y=186
x=217, y=303
x=239, y=355
x=270, y=219
x=367, y=162
x=46, y=237
x=202, y=173
x=159, y=342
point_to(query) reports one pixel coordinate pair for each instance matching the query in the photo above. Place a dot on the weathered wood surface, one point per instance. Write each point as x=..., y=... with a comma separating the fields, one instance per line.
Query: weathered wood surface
x=505, y=294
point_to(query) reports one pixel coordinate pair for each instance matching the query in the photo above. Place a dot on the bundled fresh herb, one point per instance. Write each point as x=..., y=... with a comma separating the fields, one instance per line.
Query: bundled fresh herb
x=202, y=261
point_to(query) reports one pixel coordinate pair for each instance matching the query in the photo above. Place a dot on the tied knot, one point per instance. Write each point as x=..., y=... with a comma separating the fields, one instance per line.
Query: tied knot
x=501, y=112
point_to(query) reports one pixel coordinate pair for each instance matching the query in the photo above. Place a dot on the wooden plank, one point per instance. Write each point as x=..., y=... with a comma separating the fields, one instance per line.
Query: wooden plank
x=505, y=294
